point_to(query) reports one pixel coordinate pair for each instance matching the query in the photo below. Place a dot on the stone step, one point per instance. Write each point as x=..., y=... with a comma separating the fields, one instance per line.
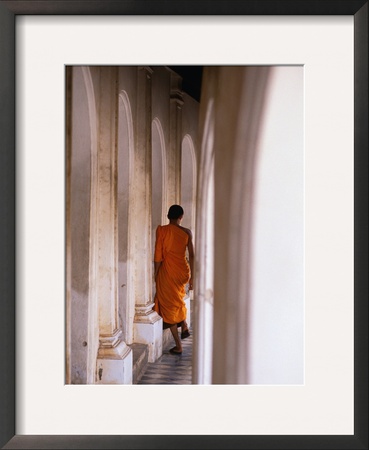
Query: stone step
x=140, y=361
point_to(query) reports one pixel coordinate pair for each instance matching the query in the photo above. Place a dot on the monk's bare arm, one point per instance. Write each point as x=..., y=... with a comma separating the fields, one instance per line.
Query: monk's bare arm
x=191, y=258
x=156, y=267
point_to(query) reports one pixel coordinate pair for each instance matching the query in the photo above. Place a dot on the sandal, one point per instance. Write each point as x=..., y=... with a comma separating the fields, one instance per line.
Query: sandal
x=185, y=334
x=173, y=351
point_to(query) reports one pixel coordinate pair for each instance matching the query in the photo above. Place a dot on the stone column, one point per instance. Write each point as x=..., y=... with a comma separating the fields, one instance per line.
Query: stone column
x=114, y=360
x=175, y=154
x=175, y=141
x=147, y=323
x=238, y=115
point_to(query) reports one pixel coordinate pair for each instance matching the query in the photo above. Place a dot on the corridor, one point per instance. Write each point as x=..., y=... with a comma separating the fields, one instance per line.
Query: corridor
x=171, y=369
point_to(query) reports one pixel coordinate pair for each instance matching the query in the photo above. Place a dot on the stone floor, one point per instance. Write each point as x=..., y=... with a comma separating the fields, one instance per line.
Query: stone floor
x=171, y=369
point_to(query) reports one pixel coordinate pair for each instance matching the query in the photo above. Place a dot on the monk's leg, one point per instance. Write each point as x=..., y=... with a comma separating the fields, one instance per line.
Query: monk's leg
x=183, y=325
x=185, y=332
x=174, y=330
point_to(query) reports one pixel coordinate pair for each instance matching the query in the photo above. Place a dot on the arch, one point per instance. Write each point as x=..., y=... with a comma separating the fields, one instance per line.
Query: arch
x=159, y=174
x=125, y=246
x=188, y=181
x=159, y=195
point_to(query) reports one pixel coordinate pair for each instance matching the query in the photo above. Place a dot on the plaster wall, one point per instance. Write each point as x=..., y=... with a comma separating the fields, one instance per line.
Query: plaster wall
x=277, y=308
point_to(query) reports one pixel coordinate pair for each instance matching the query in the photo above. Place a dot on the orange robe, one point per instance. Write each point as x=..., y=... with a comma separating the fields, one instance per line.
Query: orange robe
x=173, y=274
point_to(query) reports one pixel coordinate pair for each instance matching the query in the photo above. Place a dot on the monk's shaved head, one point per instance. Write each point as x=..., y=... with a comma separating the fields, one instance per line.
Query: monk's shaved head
x=175, y=212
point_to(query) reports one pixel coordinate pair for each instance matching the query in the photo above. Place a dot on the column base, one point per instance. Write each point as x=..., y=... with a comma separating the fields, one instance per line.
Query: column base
x=148, y=330
x=187, y=300
x=114, y=364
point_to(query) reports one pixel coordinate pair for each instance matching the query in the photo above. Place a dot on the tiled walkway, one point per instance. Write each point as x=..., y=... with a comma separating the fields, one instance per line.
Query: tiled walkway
x=171, y=369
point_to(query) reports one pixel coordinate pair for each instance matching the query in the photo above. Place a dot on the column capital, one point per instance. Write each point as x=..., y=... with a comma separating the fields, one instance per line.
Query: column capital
x=176, y=96
x=147, y=69
x=176, y=93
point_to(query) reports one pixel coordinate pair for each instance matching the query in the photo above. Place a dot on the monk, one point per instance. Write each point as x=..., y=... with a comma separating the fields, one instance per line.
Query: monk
x=172, y=273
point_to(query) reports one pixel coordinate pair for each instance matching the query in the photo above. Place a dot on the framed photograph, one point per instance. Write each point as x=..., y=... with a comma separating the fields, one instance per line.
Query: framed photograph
x=328, y=42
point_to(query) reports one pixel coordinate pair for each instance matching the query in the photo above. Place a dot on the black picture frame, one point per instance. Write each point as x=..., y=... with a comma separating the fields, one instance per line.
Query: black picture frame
x=8, y=10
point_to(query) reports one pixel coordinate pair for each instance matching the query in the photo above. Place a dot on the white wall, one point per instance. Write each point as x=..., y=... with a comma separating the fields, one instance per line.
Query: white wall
x=277, y=295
